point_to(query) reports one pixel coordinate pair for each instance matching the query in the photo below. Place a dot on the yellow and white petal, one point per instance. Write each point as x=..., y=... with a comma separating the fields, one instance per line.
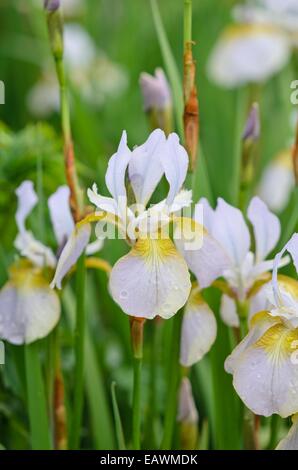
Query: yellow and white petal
x=74, y=247
x=115, y=175
x=152, y=279
x=27, y=200
x=259, y=323
x=29, y=308
x=60, y=214
x=248, y=53
x=266, y=373
x=175, y=164
x=145, y=169
x=290, y=441
x=228, y=311
x=277, y=182
x=34, y=250
x=198, y=329
x=266, y=227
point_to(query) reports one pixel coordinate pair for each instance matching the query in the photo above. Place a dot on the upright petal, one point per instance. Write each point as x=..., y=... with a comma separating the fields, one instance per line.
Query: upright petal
x=115, y=175
x=230, y=230
x=291, y=247
x=60, y=214
x=204, y=214
x=266, y=227
x=107, y=204
x=27, y=200
x=198, y=329
x=293, y=250
x=74, y=247
x=152, y=279
x=175, y=164
x=29, y=308
x=145, y=169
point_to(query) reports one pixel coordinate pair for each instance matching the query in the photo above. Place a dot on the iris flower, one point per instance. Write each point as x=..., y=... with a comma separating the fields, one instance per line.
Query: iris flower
x=264, y=364
x=227, y=251
x=153, y=278
x=29, y=308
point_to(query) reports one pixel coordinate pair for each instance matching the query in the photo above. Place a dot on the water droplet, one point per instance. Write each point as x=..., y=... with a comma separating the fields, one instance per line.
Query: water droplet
x=123, y=294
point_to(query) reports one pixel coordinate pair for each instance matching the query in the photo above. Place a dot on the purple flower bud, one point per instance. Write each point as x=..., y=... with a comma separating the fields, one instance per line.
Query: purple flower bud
x=253, y=125
x=187, y=411
x=155, y=90
x=51, y=5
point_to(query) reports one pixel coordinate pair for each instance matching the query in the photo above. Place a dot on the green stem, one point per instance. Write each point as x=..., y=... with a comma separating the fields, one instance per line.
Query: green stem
x=136, y=407
x=37, y=406
x=274, y=428
x=79, y=353
x=173, y=378
x=187, y=21
x=117, y=417
x=170, y=65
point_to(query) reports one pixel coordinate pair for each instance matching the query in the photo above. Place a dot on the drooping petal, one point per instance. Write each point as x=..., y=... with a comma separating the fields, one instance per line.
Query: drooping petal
x=290, y=441
x=266, y=227
x=34, y=250
x=27, y=200
x=248, y=54
x=228, y=311
x=74, y=247
x=175, y=164
x=198, y=330
x=60, y=214
x=29, y=308
x=152, y=279
x=230, y=230
x=266, y=374
x=115, y=175
x=145, y=169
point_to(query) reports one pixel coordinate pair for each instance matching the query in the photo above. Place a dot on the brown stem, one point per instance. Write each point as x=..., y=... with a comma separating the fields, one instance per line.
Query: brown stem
x=191, y=106
x=60, y=423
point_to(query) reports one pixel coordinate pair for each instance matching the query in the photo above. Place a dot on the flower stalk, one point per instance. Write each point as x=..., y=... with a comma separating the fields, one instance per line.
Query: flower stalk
x=55, y=30
x=137, y=332
x=60, y=419
x=191, y=105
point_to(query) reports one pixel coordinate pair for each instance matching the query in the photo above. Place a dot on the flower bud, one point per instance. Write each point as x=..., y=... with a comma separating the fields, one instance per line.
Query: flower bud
x=55, y=27
x=157, y=99
x=51, y=5
x=187, y=416
x=252, y=126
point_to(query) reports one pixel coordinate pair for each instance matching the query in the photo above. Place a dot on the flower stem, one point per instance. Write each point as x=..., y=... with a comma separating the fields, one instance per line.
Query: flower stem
x=79, y=336
x=174, y=379
x=60, y=421
x=137, y=328
x=191, y=104
x=39, y=423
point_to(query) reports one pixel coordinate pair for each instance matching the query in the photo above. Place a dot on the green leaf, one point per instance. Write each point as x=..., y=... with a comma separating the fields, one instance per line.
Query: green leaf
x=37, y=408
x=117, y=417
